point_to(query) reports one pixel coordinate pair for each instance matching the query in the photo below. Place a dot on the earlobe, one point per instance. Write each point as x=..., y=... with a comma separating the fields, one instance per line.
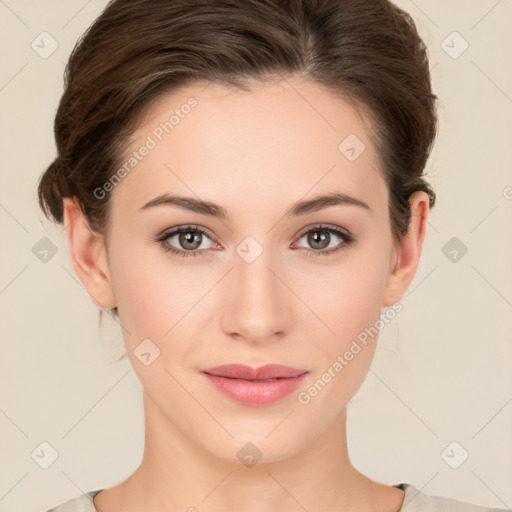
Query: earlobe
x=408, y=250
x=88, y=255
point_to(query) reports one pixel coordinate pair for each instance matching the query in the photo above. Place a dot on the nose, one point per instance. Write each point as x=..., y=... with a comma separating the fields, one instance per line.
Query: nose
x=258, y=306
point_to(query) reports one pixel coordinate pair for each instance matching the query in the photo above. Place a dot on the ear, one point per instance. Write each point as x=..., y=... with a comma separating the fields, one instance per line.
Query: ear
x=408, y=250
x=88, y=255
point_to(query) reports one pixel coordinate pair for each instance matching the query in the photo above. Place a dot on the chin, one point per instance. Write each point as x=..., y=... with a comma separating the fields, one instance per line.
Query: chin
x=249, y=449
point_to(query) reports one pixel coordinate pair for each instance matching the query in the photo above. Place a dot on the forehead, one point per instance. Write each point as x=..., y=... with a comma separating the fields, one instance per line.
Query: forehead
x=279, y=141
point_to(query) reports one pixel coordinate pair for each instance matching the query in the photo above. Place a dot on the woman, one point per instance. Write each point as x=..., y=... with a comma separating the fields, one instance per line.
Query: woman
x=242, y=186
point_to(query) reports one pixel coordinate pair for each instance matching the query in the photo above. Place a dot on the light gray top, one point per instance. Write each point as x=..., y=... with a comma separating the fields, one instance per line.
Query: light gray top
x=414, y=501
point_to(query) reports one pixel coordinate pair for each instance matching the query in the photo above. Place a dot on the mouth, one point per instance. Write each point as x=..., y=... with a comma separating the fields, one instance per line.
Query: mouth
x=262, y=373
x=255, y=386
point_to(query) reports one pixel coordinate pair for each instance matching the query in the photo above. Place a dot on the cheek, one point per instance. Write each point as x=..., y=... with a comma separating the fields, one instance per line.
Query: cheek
x=135, y=284
x=349, y=298
x=350, y=307
x=152, y=293
x=153, y=299
x=164, y=301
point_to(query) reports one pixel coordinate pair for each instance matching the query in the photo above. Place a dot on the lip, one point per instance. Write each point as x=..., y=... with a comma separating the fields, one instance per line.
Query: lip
x=242, y=371
x=255, y=386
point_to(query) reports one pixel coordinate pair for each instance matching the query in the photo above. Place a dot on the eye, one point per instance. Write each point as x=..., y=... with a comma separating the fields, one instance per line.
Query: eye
x=188, y=238
x=321, y=239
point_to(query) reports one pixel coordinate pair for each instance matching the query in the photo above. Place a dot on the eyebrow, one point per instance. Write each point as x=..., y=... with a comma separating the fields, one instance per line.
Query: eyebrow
x=214, y=210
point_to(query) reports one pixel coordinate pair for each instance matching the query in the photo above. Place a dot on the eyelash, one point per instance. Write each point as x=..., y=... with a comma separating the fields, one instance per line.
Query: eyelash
x=161, y=239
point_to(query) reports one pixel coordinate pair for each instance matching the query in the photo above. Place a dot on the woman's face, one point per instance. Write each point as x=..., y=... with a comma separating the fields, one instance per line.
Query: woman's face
x=261, y=285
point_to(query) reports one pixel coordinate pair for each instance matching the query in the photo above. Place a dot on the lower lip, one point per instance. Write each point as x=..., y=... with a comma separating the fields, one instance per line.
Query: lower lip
x=256, y=393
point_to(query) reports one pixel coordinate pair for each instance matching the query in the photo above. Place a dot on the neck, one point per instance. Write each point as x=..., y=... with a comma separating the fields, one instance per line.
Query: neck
x=178, y=474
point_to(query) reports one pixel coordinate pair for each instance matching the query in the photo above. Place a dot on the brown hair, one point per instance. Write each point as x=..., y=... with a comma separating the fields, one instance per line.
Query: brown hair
x=136, y=50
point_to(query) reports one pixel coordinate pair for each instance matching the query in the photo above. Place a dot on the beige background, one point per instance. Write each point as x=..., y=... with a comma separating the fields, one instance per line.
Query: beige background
x=442, y=369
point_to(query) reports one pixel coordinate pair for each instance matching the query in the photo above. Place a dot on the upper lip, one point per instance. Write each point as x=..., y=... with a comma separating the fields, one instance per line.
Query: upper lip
x=242, y=371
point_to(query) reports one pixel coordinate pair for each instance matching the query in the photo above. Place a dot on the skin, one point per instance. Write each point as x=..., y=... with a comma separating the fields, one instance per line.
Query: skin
x=255, y=154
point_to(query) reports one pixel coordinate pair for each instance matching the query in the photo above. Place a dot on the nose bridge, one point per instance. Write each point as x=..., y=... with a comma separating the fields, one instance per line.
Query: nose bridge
x=258, y=304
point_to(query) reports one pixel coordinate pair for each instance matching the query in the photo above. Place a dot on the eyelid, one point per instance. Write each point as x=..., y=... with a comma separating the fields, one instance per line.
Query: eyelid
x=320, y=226
x=167, y=232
